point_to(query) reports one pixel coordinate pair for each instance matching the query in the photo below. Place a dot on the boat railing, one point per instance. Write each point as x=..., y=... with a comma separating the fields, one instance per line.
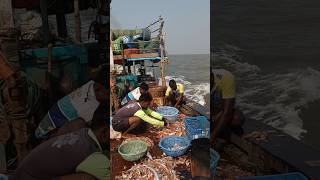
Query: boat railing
x=155, y=42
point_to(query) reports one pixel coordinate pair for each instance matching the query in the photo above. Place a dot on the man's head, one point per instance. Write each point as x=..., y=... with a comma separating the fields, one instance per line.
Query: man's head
x=101, y=93
x=173, y=84
x=101, y=85
x=144, y=87
x=100, y=125
x=145, y=100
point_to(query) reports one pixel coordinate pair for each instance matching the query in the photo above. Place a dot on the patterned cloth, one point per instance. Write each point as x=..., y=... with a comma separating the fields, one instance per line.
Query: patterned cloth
x=81, y=103
x=133, y=95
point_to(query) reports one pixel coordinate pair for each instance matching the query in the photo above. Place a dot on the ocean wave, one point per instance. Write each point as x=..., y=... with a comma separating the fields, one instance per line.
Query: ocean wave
x=277, y=98
x=195, y=92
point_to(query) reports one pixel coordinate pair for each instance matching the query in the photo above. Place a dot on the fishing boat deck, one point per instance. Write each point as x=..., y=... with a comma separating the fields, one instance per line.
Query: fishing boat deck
x=276, y=152
x=120, y=165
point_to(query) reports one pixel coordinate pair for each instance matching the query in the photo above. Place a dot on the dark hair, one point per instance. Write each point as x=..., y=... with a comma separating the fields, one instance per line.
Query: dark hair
x=145, y=97
x=144, y=86
x=200, y=151
x=172, y=83
x=100, y=118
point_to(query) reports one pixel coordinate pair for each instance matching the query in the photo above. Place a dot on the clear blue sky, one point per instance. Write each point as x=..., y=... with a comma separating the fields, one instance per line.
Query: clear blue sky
x=187, y=22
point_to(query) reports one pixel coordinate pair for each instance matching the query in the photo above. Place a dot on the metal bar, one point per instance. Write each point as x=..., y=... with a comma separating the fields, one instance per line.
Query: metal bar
x=155, y=30
x=160, y=19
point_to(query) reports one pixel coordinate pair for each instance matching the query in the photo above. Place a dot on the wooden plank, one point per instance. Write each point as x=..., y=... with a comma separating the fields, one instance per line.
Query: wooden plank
x=6, y=15
x=144, y=55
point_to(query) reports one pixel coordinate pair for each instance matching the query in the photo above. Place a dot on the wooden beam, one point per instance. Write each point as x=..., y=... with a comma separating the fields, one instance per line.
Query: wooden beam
x=6, y=15
x=45, y=21
x=61, y=19
x=77, y=21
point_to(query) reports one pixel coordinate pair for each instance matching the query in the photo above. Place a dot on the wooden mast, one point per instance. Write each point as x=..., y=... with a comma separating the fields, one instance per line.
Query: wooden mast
x=77, y=21
x=162, y=52
x=45, y=21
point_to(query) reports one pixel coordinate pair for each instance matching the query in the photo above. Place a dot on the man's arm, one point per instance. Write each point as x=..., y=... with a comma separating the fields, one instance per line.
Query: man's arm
x=181, y=92
x=70, y=127
x=142, y=115
x=224, y=118
x=97, y=165
x=167, y=94
x=153, y=114
x=179, y=100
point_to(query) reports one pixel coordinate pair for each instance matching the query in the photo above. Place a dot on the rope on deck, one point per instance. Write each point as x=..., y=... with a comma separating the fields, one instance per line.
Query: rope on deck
x=32, y=105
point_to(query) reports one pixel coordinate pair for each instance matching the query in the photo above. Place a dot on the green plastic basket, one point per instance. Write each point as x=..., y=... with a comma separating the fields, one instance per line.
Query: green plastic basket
x=133, y=150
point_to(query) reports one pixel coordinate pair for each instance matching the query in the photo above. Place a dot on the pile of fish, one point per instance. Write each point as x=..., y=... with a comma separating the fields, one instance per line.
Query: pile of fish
x=258, y=136
x=176, y=147
x=174, y=129
x=162, y=168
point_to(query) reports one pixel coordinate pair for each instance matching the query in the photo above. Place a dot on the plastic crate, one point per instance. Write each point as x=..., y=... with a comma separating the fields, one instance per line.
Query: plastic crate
x=167, y=143
x=214, y=158
x=170, y=113
x=287, y=176
x=197, y=127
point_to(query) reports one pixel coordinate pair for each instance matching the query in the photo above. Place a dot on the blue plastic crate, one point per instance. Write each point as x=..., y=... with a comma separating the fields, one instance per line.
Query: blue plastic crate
x=167, y=143
x=214, y=158
x=287, y=176
x=197, y=127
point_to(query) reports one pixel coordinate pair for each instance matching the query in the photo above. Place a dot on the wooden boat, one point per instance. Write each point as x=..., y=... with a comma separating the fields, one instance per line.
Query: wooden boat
x=134, y=58
x=264, y=150
x=45, y=63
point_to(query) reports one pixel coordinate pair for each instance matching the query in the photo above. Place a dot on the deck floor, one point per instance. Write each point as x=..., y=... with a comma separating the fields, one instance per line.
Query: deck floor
x=119, y=164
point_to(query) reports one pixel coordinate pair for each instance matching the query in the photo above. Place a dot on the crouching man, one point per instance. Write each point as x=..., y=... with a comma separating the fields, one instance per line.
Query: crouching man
x=135, y=113
x=75, y=155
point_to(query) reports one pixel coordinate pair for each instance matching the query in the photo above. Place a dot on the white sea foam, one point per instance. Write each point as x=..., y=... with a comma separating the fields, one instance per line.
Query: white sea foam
x=195, y=92
x=275, y=99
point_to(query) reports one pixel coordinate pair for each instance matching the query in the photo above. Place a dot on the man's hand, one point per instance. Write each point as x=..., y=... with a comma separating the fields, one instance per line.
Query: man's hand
x=165, y=121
